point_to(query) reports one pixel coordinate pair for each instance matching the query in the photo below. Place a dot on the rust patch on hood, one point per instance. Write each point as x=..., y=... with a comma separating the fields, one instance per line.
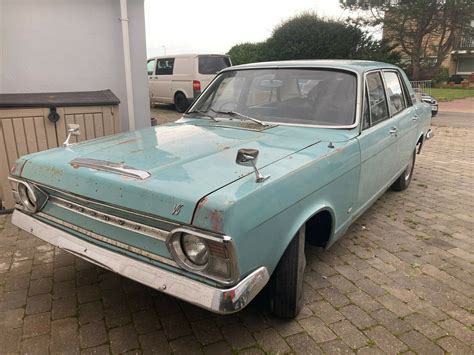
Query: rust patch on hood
x=216, y=220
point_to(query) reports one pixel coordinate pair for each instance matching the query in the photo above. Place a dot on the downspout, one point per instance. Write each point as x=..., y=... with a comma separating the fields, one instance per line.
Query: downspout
x=1, y=45
x=127, y=64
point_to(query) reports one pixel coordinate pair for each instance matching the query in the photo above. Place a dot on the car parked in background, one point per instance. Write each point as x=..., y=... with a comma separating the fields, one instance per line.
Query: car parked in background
x=432, y=102
x=179, y=79
x=218, y=205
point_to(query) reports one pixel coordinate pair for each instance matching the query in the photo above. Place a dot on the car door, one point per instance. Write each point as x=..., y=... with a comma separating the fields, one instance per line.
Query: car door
x=404, y=116
x=377, y=141
x=150, y=66
x=164, y=80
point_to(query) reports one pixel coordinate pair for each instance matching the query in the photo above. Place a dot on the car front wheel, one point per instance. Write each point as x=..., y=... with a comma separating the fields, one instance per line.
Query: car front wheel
x=286, y=284
x=404, y=180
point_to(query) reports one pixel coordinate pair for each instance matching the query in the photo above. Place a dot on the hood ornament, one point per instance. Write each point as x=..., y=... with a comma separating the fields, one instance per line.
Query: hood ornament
x=72, y=130
x=248, y=157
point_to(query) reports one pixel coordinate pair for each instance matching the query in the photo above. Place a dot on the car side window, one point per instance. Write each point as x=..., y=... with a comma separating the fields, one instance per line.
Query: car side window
x=377, y=102
x=165, y=66
x=394, y=92
x=150, y=66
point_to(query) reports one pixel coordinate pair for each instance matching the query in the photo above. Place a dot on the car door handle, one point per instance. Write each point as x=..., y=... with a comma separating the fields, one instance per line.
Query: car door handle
x=393, y=130
x=414, y=118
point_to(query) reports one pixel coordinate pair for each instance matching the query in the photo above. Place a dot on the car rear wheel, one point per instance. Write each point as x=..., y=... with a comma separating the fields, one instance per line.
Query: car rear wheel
x=181, y=102
x=404, y=180
x=285, y=289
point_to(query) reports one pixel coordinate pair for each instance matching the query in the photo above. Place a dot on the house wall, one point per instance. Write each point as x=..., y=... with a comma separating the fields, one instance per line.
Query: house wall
x=73, y=45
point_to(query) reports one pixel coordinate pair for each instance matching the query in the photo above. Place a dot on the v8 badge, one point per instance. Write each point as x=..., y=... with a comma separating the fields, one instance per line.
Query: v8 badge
x=177, y=209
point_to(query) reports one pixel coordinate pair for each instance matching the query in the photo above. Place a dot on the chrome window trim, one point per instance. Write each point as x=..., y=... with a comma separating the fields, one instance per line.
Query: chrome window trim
x=353, y=71
x=112, y=220
x=401, y=87
x=107, y=240
x=384, y=92
x=111, y=167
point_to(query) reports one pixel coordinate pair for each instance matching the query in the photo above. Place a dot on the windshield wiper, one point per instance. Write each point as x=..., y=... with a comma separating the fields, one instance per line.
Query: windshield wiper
x=234, y=113
x=204, y=114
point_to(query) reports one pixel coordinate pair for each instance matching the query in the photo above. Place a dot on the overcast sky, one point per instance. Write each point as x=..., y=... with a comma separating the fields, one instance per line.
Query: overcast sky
x=215, y=26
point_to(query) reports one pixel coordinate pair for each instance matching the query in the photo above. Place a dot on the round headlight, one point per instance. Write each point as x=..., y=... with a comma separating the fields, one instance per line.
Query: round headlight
x=195, y=249
x=27, y=197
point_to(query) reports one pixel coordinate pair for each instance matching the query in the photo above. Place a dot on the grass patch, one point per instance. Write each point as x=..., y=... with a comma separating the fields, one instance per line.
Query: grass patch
x=449, y=94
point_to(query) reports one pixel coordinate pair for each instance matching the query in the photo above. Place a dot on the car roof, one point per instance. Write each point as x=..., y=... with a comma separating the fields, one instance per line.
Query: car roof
x=191, y=55
x=360, y=66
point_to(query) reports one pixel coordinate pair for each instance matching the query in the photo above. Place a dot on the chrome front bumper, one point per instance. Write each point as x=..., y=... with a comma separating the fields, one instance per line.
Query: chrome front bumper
x=217, y=300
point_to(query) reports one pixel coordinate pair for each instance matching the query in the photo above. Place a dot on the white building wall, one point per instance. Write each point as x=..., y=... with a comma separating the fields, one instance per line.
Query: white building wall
x=73, y=45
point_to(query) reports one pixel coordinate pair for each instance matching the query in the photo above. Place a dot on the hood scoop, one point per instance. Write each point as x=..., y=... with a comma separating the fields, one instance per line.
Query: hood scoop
x=111, y=167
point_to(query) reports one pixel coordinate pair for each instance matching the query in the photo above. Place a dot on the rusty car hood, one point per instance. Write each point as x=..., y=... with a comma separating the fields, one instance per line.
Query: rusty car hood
x=186, y=160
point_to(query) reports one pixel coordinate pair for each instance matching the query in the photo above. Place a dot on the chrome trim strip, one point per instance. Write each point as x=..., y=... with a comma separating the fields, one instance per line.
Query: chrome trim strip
x=112, y=207
x=115, y=221
x=211, y=298
x=103, y=239
x=111, y=167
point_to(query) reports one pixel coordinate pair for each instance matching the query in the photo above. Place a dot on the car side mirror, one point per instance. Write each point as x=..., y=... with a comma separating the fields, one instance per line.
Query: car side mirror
x=248, y=157
x=72, y=130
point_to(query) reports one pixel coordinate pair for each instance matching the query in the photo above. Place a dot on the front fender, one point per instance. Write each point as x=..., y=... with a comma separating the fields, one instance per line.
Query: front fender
x=263, y=218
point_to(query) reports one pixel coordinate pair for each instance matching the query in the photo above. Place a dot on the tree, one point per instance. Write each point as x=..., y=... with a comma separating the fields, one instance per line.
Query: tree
x=424, y=30
x=380, y=51
x=307, y=36
x=247, y=53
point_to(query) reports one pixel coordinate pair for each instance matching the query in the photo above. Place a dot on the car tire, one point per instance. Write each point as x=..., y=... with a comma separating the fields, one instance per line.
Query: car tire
x=181, y=102
x=404, y=179
x=285, y=289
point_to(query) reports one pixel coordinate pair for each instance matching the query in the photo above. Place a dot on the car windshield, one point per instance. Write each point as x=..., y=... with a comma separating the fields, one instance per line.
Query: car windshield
x=299, y=96
x=213, y=64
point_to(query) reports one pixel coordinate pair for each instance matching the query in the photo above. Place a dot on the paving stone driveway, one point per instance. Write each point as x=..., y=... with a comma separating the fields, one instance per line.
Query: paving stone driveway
x=401, y=280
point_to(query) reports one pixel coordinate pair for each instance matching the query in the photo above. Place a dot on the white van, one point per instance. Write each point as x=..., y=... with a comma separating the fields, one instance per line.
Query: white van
x=179, y=79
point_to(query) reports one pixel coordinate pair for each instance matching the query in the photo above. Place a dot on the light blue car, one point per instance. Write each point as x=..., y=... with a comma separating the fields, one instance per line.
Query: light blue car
x=219, y=205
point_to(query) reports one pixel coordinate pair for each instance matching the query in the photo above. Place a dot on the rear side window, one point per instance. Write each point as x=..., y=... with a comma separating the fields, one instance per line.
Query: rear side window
x=150, y=66
x=377, y=103
x=213, y=64
x=165, y=66
x=395, y=95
